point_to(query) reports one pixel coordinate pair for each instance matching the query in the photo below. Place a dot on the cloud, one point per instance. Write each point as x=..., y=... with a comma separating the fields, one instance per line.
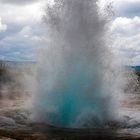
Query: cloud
x=23, y=36
x=127, y=8
x=126, y=26
x=20, y=45
x=3, y=27
x=127, y=35
x=18, y=2
x=136, y=60
x=21, y=15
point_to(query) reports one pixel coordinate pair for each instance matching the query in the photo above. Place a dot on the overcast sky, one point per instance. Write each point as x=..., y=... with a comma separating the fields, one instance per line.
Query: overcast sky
x=21, y=34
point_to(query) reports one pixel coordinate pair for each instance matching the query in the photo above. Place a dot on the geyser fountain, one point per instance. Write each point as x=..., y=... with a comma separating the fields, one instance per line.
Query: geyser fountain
x=75, y=77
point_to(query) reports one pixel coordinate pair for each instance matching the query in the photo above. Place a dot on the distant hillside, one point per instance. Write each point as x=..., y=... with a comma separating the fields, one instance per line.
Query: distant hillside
x=4, y=64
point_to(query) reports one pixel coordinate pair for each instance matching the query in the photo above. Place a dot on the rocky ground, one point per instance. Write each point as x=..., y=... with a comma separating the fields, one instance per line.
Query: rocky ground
x=15, y=123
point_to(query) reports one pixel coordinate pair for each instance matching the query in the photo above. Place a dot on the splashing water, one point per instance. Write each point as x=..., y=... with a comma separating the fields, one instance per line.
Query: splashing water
x=75, y=80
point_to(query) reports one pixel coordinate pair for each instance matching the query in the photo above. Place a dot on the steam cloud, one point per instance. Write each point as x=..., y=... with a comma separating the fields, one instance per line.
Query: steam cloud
x=76, y=80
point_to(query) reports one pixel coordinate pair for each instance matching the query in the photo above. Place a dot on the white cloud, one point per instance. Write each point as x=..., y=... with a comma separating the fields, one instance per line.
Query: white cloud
x=127, y=29
x=19, y=46
x=18, y=2
x=3, y=27
x=120, y=1
x=126, y=26
x=136, y=60
x=23, y=35
x=127, y=33
x=28, y=13
x=21, y=15
x=127, y=8
x=26, y=31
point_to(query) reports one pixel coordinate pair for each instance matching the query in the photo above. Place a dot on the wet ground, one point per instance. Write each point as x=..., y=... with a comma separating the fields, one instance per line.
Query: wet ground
x=15, y=124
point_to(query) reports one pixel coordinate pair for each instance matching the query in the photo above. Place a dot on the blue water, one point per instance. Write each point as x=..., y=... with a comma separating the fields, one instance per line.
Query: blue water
x=74, y=75
x=76, y=98
x=136, y=68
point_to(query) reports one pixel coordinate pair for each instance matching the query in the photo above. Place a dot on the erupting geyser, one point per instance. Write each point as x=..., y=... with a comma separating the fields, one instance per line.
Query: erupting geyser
x=74, y=81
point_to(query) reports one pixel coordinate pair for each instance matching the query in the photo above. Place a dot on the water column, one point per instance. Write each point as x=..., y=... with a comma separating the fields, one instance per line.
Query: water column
x=74, y=72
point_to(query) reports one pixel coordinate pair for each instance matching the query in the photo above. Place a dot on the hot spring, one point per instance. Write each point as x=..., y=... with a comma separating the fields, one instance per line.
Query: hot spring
x=76, y=79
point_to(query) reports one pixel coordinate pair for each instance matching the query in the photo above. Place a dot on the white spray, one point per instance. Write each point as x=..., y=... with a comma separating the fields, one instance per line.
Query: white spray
x=76, y=80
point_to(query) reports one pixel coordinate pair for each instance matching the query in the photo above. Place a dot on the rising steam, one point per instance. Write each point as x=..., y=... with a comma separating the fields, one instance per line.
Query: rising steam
x=76, y=80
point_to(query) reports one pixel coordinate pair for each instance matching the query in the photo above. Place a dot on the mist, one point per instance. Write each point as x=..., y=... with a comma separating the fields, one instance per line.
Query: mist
x=77, y=71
